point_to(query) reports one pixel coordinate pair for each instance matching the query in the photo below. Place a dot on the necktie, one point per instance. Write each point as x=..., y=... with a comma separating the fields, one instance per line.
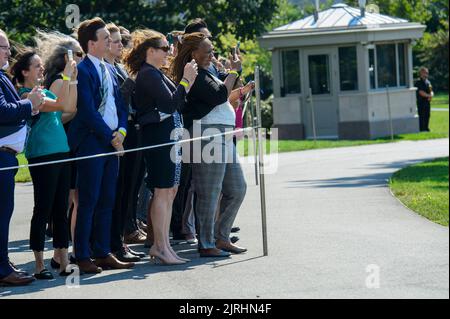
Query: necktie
x=103, y=89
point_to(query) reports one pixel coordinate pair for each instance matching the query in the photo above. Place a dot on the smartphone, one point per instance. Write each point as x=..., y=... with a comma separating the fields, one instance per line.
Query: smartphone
x=238, y=46
x=70, y=55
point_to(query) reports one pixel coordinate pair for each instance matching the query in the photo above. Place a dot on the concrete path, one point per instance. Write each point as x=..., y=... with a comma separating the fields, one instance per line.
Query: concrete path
x=335, y=231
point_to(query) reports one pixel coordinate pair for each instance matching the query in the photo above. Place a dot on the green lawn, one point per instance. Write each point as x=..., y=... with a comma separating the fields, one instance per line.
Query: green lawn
x=424, y=189
x=23, y=175
x=440, y=101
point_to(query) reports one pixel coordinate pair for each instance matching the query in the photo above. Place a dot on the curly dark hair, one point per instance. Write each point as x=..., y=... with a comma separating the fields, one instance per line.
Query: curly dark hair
x=190, y=43
x=22, y=63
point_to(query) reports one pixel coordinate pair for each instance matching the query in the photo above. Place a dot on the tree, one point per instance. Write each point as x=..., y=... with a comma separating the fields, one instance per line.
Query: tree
x=246, y=19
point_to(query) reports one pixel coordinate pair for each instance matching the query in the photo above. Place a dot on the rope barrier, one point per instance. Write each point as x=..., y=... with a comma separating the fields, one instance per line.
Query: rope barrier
x=127, y=151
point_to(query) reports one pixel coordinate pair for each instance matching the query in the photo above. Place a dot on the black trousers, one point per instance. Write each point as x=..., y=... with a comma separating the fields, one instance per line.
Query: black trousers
x=131, y=172
x=51, y=199
x=424, y=117
x=179, y=203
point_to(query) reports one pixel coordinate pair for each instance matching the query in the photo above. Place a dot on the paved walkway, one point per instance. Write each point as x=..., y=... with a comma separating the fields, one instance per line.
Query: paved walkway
x=333, y=226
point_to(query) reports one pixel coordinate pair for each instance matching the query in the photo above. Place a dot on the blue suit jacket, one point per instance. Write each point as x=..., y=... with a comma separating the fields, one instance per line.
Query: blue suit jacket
x=88, y=123
x=13, y=111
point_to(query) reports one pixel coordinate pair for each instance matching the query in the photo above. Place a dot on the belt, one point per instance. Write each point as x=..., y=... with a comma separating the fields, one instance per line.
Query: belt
x=8, y=150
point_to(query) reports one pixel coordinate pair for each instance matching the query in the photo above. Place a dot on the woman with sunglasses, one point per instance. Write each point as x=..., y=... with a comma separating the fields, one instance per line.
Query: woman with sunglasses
x=158, y=101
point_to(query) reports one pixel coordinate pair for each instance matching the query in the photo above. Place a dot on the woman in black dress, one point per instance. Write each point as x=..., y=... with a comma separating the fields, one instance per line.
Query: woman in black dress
x=158, y=101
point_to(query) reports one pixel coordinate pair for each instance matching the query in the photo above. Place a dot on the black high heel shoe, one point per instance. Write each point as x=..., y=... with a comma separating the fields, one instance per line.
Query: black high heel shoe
x=44, y=275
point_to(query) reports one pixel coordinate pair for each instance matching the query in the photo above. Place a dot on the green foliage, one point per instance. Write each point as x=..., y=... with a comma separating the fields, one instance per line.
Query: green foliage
x=433, y=53
x=246, y=19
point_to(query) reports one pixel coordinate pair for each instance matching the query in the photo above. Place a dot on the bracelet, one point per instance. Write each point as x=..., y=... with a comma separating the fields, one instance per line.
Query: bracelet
x=123, y=132
x=65, y=77
x=73, y=82
x=185, y=84
x=234, y=72
x=185, y=80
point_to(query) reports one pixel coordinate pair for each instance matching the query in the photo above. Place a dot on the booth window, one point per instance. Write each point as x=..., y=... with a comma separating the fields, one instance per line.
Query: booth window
x=402, y=63
x=319, y=74
x=372, y=69
x=291, y=72
x=388, y=66
x=348, y=68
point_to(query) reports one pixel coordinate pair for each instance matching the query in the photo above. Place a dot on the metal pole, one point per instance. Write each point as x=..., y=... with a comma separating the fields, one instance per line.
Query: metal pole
x=255, y=150
x=391, y=127
x=262, y=184
x=313, y=116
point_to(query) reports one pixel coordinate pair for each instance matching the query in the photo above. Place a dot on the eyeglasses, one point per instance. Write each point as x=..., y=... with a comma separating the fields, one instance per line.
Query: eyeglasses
x=165, y=48
x=79, y=54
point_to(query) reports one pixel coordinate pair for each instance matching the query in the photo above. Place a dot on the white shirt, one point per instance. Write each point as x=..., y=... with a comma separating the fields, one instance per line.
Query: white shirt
x=110, y=117
x=15, y=141
x=222, y=114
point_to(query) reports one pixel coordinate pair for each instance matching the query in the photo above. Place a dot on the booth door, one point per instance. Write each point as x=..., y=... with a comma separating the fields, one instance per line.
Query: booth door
x=321, y=111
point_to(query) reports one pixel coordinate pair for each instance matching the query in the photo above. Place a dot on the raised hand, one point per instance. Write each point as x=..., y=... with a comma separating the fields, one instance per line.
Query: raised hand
x=190, y=72
x=70, y=68
x=235, y=62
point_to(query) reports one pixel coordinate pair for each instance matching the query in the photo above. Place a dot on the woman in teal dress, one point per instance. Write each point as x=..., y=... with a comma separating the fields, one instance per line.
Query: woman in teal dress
x=47, y=141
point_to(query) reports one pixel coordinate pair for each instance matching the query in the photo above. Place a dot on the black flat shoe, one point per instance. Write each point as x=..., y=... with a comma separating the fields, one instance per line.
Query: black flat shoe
x=44, y=275
x=234, y=239
x=235, y=229
x=54, y=264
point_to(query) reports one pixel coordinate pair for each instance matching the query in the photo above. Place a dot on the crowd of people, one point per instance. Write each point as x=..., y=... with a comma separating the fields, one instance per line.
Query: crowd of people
x=105, y=89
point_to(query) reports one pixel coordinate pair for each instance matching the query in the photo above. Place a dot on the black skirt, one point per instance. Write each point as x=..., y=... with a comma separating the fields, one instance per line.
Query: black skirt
x=163, y=164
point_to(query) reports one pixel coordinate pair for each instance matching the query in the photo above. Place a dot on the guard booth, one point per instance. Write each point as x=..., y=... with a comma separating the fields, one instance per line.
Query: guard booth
x=338, y=71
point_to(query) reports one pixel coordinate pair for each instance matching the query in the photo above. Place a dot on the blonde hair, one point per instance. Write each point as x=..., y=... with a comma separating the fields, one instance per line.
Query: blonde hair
x=141, y=40
x=112, y=28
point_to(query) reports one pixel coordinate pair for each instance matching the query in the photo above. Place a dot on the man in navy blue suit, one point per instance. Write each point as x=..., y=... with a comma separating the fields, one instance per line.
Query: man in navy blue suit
x=13, y=115
x=99, y=127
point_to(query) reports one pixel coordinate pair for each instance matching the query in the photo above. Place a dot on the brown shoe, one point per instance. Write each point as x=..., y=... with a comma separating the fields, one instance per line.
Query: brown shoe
x=135, y=237
x=213, y=253
x=16, y=279
x=228, y=246
x=111, y=262
x=88, y=267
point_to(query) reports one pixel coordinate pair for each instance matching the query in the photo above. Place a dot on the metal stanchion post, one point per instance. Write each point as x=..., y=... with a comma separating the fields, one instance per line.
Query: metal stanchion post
x=391, y=127
x=255, y=150
x=262, y=184
x=313, y=116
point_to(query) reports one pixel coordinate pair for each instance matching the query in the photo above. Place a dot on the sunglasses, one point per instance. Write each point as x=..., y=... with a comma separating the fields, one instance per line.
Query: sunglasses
x=79, y=54
x=165, y=48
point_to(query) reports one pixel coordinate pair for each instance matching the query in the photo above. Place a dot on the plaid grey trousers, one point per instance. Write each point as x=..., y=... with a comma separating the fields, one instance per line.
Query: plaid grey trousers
x=210, y=180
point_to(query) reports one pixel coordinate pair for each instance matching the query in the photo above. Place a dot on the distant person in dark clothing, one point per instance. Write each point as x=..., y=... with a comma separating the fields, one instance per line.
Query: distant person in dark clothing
x=424, y=96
